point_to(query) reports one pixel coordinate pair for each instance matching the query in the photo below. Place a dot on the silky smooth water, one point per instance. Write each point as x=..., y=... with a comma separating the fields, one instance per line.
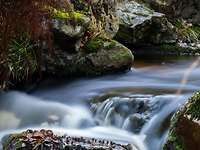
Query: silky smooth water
x=65, y=106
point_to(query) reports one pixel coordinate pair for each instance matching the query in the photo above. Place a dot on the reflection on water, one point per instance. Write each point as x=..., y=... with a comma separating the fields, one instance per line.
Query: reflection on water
x=132, y=107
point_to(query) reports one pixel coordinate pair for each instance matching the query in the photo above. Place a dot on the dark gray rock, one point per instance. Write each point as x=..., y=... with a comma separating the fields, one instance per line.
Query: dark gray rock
x=129, y=113
x=140, y=25
x=67, y=35
x=185, y=9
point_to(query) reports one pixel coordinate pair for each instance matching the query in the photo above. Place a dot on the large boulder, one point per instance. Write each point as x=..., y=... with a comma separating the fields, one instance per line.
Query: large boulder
x=140, y=25
x=99, y=56
x=186, y=9
x=153, y=33
x=184, y=133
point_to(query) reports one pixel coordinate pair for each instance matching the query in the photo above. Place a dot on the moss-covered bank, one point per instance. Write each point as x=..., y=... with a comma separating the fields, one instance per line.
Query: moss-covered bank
x=184, y=133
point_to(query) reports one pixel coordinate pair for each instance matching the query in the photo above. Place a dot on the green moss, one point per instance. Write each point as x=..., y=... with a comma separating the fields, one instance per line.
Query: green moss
x=111, y=44
x=94, y=45
x=169, y=47
x=187, y=32
x=121, y=55
x=97, y=43
x=175, y=49
x=193, y=107
x=68, y=16
x=196, y=30
x=173, y=140
x=13, y=137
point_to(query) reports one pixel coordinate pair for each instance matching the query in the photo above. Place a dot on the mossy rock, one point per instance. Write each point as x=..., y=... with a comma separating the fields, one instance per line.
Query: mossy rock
x=178, y=50
x=184, y=133
x=115, y=57
x=107, y=59
x=69, y=29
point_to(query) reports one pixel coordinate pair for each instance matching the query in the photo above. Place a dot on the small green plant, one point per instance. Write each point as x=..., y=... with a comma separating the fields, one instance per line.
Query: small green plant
x=187, y=32
x=21, y=59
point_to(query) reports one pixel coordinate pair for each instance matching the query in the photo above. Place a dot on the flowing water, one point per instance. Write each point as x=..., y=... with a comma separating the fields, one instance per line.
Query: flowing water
x=133, y=107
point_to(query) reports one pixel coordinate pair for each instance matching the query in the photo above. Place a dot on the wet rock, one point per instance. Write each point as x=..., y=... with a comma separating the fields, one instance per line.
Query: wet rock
x=173, y=49
x=83, y=44
x=47, y=140
x=104, y=13
x=99, y=56
x=129, y=113
x=184, y=133
x=111, y=18
x=153, y=33
x=135, y=122
x=140, y=25
x=182, y=9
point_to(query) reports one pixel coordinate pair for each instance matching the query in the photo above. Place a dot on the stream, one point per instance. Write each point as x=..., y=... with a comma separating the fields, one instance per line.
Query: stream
x=132, y=107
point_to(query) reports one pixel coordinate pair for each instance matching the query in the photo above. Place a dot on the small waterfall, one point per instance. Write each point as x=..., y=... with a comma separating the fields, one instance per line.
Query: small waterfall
x=129, y=112
x=153, y=128
x=61, y=118
x=139, y=114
